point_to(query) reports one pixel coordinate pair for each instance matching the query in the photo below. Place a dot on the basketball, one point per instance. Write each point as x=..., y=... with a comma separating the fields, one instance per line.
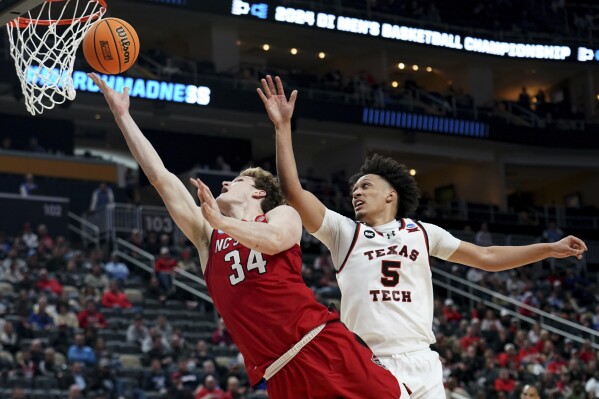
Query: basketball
x=111, y=46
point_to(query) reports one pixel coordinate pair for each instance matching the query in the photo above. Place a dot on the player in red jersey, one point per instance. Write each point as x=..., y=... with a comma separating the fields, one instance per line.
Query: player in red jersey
x=248, y=243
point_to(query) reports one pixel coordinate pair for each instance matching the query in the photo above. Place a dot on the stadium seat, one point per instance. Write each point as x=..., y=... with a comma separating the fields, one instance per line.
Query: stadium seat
x=130, y=361
x=135, y=296
x=6, y=287
x=6, y=357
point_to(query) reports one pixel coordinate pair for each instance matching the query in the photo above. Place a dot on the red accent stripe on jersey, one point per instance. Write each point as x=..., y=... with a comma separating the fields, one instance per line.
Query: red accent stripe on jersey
x=402, y=224
x=428, y=250
x=351, y=248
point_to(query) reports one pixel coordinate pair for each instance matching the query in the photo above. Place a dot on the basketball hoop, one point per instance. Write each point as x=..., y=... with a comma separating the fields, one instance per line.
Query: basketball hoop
x=43, y=44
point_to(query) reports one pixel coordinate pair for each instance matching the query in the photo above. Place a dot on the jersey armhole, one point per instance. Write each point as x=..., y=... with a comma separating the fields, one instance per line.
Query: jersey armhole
x=351, y=247
x=425, y=234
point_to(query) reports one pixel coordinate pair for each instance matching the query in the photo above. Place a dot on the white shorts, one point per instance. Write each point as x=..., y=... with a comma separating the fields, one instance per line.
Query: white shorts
x=421, y=371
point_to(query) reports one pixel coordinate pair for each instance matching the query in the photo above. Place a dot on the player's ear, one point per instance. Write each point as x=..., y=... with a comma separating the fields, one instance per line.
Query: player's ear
x=259, y=194
x=392, y=196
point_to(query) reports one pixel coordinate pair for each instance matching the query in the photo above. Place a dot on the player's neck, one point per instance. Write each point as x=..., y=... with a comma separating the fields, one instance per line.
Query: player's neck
x=377, y=220
x=246, y=211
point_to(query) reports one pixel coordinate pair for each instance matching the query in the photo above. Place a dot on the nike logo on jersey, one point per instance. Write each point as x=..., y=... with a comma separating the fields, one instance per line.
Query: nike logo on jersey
x=392, y=250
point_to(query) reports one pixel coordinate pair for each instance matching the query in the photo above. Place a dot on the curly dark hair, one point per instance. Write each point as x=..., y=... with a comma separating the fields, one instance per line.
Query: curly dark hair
x=264, y=180
x=398, y=176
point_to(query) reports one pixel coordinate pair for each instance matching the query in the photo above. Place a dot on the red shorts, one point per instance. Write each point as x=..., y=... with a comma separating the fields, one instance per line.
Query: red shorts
x=335, y=364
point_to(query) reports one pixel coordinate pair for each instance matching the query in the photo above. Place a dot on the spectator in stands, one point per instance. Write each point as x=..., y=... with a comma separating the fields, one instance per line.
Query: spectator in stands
x=187, y=262
x=29, y=240
x=89, y=292
x=40, y=319
x=552, y=233
x=164, y=327
x=155, y=290
x=234, y=389
x=96, y=278
x=210, y=390
x=185, y=379
x=29, y=187
x=116, y=270
x=90, y=317
x=137, y=332
x=36, y=351
x=64, y=316
x=153, y=339
x=115, y=298
x=221, y=335
x=7, y=144
x=483, y=237
x=106, y=381
x=26, y=366
x=178, y=347
x=577, y=392
x=164, y=267
x=505, y=382
x=202, y=352
x=46, y=242
x=524, y=99
x=48, y=367
x=75, y=376
x=47, y=284
x=8, y=338
x=34, y=145
x=101, y=197
x=452, y=314
x=79, y=352
x=156, y=380
x=241, y=379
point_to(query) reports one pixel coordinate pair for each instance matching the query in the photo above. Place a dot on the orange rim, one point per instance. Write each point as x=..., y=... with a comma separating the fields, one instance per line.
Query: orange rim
x=21, y=22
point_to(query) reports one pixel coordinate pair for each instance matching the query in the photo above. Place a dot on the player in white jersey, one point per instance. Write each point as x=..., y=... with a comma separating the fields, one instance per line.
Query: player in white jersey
x=382, y=258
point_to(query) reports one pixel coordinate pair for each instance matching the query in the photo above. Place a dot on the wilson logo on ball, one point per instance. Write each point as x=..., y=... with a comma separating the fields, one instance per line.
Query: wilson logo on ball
x=125, y=43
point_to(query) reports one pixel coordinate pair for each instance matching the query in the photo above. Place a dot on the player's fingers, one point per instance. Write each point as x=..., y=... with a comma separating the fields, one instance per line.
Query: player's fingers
x=271, y=85
x=261, y=94
x=126, y=91
x=194, y=182
x=292, y=98
x=96, y=79
x=266, y=88
x=280, y=90
x=579, y=242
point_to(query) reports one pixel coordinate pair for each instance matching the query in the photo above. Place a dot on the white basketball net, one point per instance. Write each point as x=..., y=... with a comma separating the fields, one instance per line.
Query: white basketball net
x=43, y=43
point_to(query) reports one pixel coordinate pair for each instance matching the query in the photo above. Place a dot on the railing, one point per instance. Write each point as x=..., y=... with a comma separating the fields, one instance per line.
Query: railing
x=88, y=232
x=551, y=323
x=145, y=261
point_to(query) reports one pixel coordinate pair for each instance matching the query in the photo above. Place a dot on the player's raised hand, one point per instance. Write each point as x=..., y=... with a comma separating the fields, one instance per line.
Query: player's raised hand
x=280, y=110
x=210, y=208
x=569, y=246
x=118, y=102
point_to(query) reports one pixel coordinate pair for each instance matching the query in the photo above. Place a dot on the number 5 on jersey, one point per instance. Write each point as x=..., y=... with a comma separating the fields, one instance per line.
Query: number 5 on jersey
x=254, y=261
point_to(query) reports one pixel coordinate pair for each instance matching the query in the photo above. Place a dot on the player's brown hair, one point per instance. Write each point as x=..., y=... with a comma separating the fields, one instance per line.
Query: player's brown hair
x=264, y=180
x=398, y=176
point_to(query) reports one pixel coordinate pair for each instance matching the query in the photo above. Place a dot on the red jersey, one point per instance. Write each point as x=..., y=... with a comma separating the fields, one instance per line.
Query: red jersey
x=262, y=299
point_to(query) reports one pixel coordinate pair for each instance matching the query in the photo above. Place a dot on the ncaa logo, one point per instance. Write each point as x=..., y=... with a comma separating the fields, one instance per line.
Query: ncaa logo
x=369, y=234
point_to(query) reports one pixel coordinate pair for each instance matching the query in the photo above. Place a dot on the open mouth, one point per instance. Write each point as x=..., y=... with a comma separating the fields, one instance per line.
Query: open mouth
x=358, y=205
x=224, y=190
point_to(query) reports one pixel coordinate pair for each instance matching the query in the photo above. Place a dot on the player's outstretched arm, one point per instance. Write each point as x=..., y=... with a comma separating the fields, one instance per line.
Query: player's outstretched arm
x=177, y=199
x=283, y=230
x=498, y=258
x=280, y=111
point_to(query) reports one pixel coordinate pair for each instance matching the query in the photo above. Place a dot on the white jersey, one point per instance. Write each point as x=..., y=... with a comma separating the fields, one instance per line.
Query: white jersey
x=385, y=279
